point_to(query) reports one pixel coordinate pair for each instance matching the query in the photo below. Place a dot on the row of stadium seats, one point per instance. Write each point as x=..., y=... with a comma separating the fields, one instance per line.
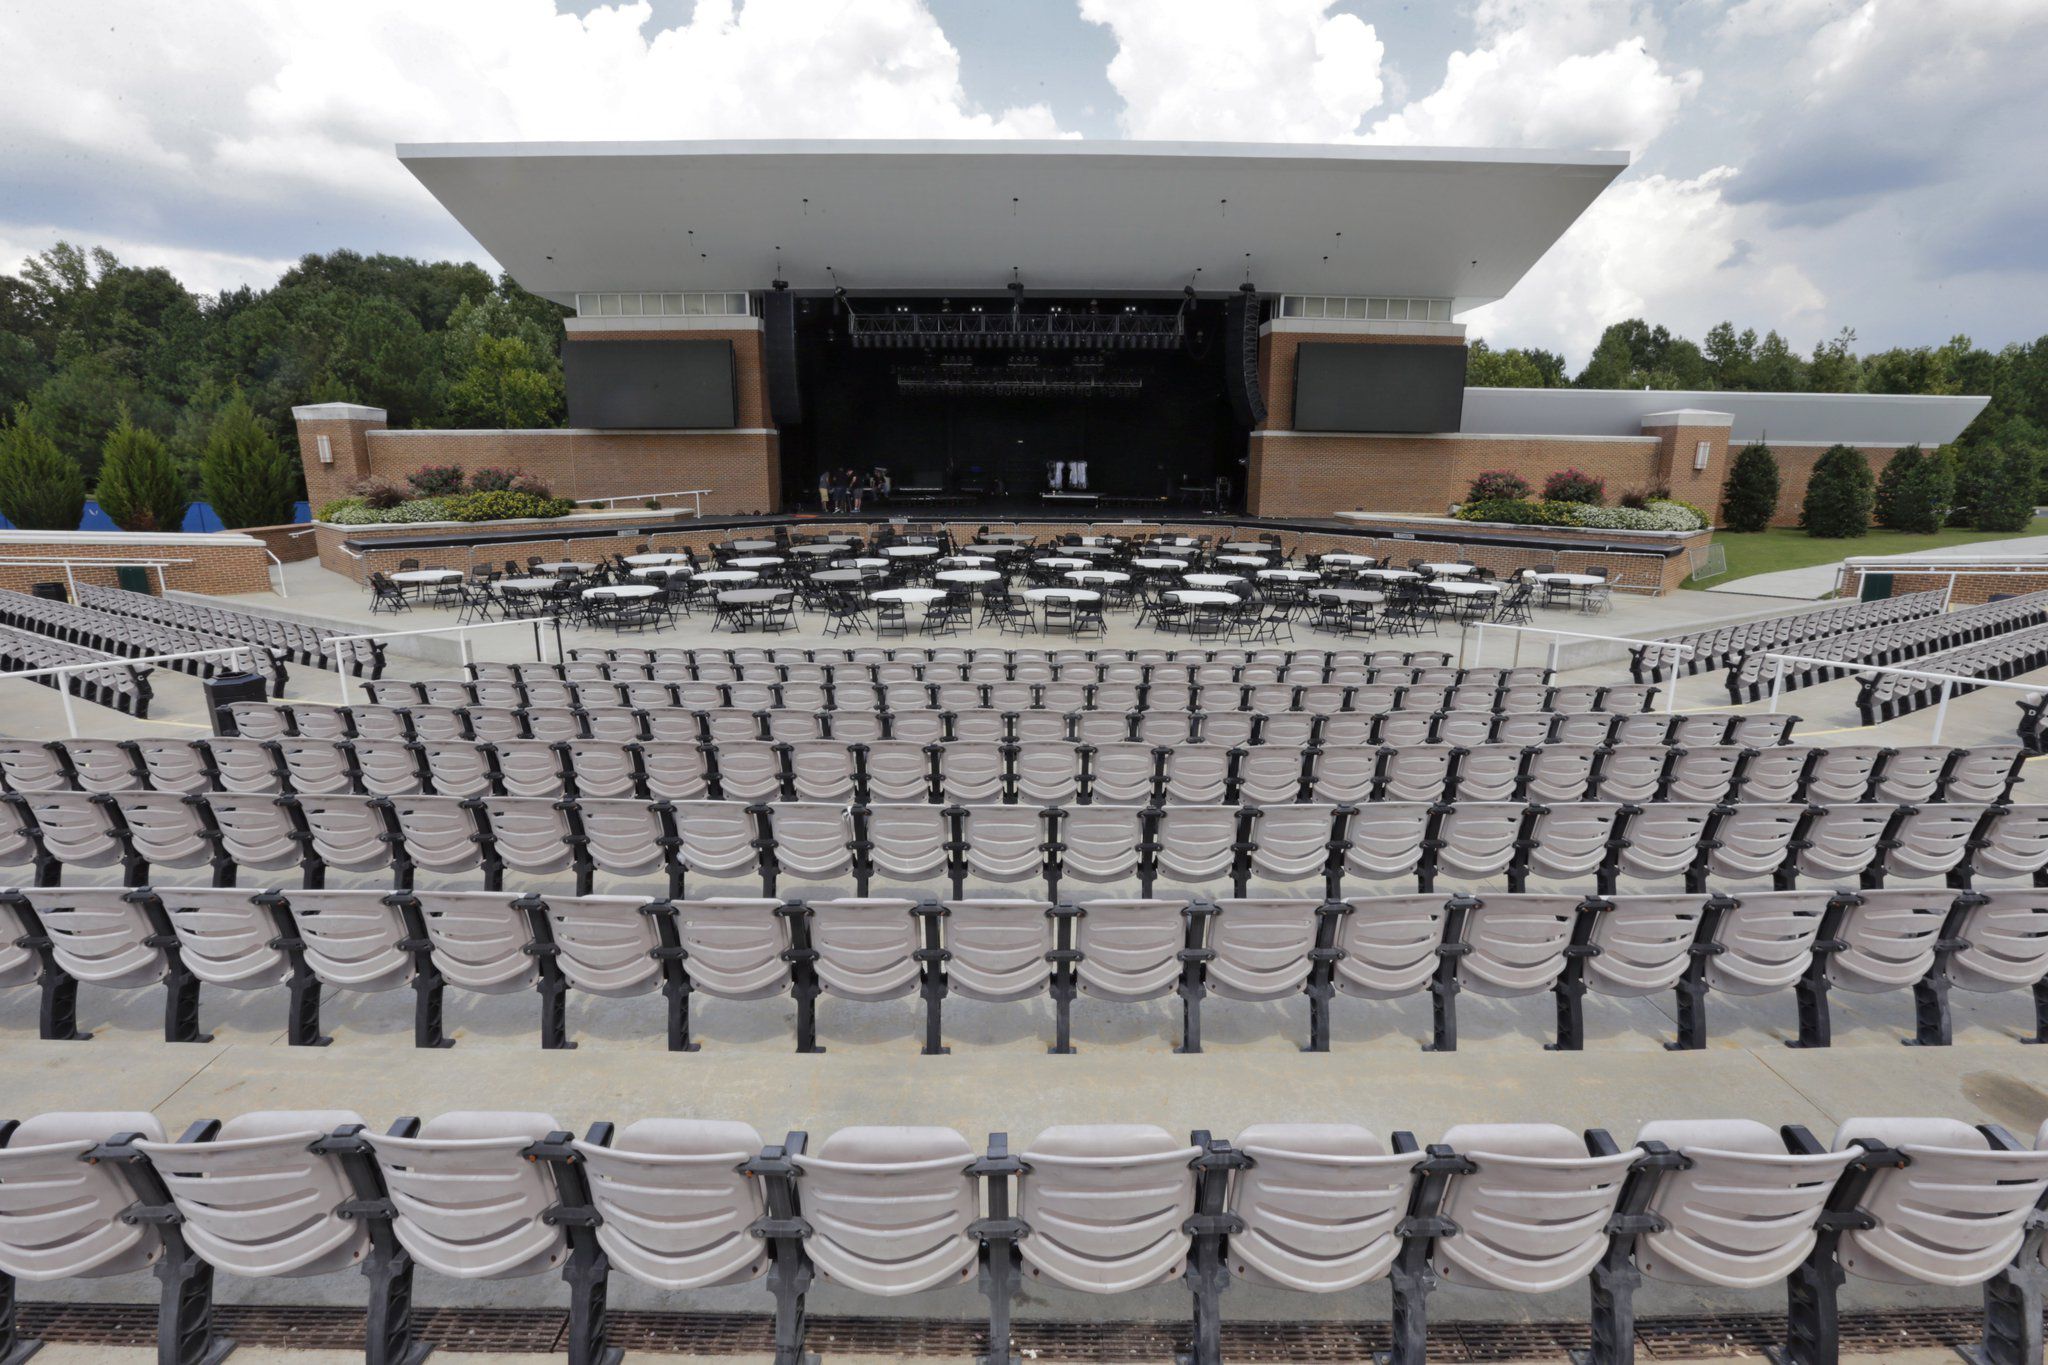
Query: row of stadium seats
x=313, y=646
x=1718, y=646
x=1042, y=772
x=1887, y=696
x=129, y=638
x=1752, y=677
x=683, y=1204
x=994, y=671
x=106, y=681
x=867, y=950
x=143, y=833
x=972, y=656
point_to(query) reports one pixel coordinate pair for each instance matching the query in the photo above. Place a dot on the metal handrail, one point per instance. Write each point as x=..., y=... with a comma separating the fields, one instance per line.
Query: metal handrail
x=71, y=580
x=461, y=633
x=696, y=496
x=1677, y=651
x=1948, y=681
x=119, y=661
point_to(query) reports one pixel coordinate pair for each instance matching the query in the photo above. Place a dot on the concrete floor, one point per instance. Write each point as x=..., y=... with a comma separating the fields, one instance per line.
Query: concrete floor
x=998, y=1076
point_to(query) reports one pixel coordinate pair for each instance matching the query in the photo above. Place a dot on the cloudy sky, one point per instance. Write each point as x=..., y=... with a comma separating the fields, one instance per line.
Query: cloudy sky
x=1800, y=164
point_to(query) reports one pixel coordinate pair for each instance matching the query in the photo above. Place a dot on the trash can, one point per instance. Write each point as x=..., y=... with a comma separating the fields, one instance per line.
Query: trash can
x=134, y=578
x=55, y=592
x=228, y=688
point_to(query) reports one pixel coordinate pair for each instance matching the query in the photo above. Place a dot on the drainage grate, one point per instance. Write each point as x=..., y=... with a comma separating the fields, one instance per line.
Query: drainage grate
x=1244, y=1343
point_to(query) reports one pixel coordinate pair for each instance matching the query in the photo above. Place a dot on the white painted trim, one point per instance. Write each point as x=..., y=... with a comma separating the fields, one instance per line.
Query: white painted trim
x=1362, y=327
x=1457, y=436
x=1454, y=523
x=338, y=412
x=699, y=322
x=577, y=431
x=1689, y=417
x=1859, y=444
x=133, y=539
x=581, y=516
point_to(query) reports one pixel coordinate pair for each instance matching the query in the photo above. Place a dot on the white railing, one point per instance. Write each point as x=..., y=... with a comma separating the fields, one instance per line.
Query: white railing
x=118, y=661
x=332, y=643
x=695, y=495
x=1950, y=570
x=69, y=563
x=1557, y=639
x=278, y=564
x=1948, y=681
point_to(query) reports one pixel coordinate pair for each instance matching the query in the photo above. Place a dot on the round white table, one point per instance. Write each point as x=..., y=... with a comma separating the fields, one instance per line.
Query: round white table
x=1571, y=580
x=1247, y=561
x=1005, y=547
x=1198, y=598
x=920, y=595
x=565, y=566
x=967, y=575
x=910, y=551
x=1350, y=595
x=744, y=546
x=864, y=562
x=1258, y=547
x=425, y=576
x=966, y=562
x=1097, y=576
x=525, y=584
x=1061, y=562
x=622, y=590
x=1061, y=595
x=1291, y=575
x=1349, y=560
x=1212, y=580
x=662, y=571
x=1457, y=589
x=727, y=576
x=1162, y=565
x=647, y=560
x=1451, y=570
x=1389, y=573
x=755, y=562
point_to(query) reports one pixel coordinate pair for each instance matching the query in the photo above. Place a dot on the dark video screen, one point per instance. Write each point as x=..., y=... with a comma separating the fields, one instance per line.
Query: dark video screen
x=613, y=384
x=1378, y=388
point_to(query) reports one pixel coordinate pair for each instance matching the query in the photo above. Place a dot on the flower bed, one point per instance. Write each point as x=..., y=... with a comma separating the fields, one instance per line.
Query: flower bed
x=1659, y=514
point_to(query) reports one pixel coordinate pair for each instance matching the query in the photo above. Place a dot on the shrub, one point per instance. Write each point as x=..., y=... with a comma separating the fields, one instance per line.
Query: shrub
x=249, y=481
x=1887, y=503
x=1519, y=512
x=504, y=504
x=140, y=485
x=1641, y=498
x=378, y=492
x=41, y=488
x=351, y=512
x=1494, y=485
x=493, y=480
x=1749, y=498
x=1660, y=515
x=2011, y=504
x=332, y=511
x=1978, y=468
x=534, y=488
x=1574, y=485
x=1915, y=489
x=436, y=480
x=1839, y=496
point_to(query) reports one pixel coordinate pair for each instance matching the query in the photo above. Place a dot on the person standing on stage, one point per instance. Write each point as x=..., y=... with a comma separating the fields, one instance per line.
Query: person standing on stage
x=824, y=490
x=856, y=484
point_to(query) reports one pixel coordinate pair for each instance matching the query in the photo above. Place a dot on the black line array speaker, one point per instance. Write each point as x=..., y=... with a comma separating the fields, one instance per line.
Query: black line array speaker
x=1241, y=359
x=785, y=401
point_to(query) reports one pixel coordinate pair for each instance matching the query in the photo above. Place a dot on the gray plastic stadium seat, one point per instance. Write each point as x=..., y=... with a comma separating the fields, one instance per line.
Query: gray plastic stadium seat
x=1122, y=773
x=101, y=936
x=1490, y=772
x=625, y=838
x=1197, y=774
x=258, y=719
x=1261, y=948
x=1932, y=840
x=1516, y=943
x=1706, y=773
x=316, y=765
x=1841, y=841
x=1290, y=843
x=822, y=770
x=19, y=965
x=1534, y=1214
x=165, y=829
x=352, y=939
x=480, y=940
x=1387, y=840
x=1775, y=773
x=889, y=1209
x=997, y=948
x=1741, y=1215
x=526, y=767
x=1572, y=840
x=748, y=770
x=1644, y=944
x=32, y=765
x=1196, y=844
x=971, y=772
x=257, y=1202
x=1354, y=773
x=1953, y=1216
x=1130, y=949
x=1663, y=839
x=1048, y=774
x=676, y=769
x=77, y=828
x=61, y=1216
x=225, y=938
x=439, y=833
x=1390, y=946
x=1006, y=844
x=2007, y=933
x=897, y=771
x=348, y=833
x=469, y=1204
x=391, y=767
x=458, y=767
x=1106, y=1206
x=606, y=946
x=2016, y=844
x=1560, y=772
x=1981, y=773
x=102, y=765
x=1842, y=773
x=735, y=946
x=866, y=947
x=675, y=1204
x=246, y=765
x=717, y=840
x=1912, y=774
x=908, y=842
x=1889, y=939
x=1632, y=772
x=1100, y=843
x=1479, y=837
x=1321, y=1203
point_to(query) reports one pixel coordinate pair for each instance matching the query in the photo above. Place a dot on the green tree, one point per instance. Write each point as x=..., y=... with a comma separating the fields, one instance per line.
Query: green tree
x=1888, y=505
x=1486, y=368
x=1749, y=497
x=41, y=488
x=1777, y=368
x=1977, y=474
x=249, y=481
x=2010, y=506
x=1835, y=368
x=140, y=485
x=1915, y=490
x=1839, y=495
x=504, y=387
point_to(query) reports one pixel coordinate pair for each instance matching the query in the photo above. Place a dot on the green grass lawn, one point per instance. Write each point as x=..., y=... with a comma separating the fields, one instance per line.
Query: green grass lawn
x=1755, y=552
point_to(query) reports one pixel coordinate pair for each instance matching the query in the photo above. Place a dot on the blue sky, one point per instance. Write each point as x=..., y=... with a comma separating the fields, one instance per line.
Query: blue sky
x=1800, y=164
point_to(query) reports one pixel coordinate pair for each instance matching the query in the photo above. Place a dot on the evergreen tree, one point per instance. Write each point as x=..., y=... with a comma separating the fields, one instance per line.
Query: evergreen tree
x=1892, y=487
x=2011, y=504
x=249, y=481
x=504, y=386
x=41, y=488
x=1839, y=496
x=140, y=485
x=1749, y=497
x=1977, y=473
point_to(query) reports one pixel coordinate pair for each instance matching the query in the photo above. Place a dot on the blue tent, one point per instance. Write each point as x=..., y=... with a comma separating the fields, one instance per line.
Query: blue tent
x=198, y=517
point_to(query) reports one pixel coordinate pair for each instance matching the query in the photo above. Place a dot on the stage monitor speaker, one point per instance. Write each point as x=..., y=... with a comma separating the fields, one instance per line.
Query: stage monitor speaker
x=1241, y=359
x=785, y=401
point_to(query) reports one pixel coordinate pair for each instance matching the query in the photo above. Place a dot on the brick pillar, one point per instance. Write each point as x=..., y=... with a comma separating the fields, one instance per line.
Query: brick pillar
x=1682, y=435
x=344, y=461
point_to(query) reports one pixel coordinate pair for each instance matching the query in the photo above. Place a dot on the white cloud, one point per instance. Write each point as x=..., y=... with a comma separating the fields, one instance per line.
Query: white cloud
x=1549, y=73
x=1280, y=71
x=201, y=271
x=1670, y=250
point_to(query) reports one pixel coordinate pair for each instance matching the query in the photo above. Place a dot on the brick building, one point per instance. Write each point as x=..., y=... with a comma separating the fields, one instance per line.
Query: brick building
x=1146, y=328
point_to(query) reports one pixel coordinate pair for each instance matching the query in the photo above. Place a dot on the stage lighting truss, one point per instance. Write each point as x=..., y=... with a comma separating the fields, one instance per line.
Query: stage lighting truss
x=1021, y=377
x=1002, y=330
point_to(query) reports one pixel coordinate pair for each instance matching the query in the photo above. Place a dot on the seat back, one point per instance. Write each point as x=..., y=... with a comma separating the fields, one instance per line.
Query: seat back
x=2007, y=930
x=1106, y=1205
x=997, y=948
x=1262, y=948
x=101, y=935
x=1740, y=1215
x=1533, y=1216
x=1130, y=948
x=224, y=937
x=1320, y=1202
x=1644, y=944
x=735, y=946
x=1517, y=943
x=480, y=940
x=889, y=1208
x=60, y=1217
x=1955, y=1214
x=468, y=1204
x=352, y=938
x=675, y=1205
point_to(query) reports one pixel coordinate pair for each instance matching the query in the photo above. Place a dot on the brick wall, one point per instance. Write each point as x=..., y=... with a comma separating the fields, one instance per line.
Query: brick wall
x=1678, y=447
x=285, y=542
x=1276, y=364
x=347, y=441
x=1971, y=590
x=234, y=563
x=742, y=469
x=1795, y=472
x=1316, y=475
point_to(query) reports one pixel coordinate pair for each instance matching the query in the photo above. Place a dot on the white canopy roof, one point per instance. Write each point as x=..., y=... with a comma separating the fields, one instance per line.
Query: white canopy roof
x=1118, y=218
